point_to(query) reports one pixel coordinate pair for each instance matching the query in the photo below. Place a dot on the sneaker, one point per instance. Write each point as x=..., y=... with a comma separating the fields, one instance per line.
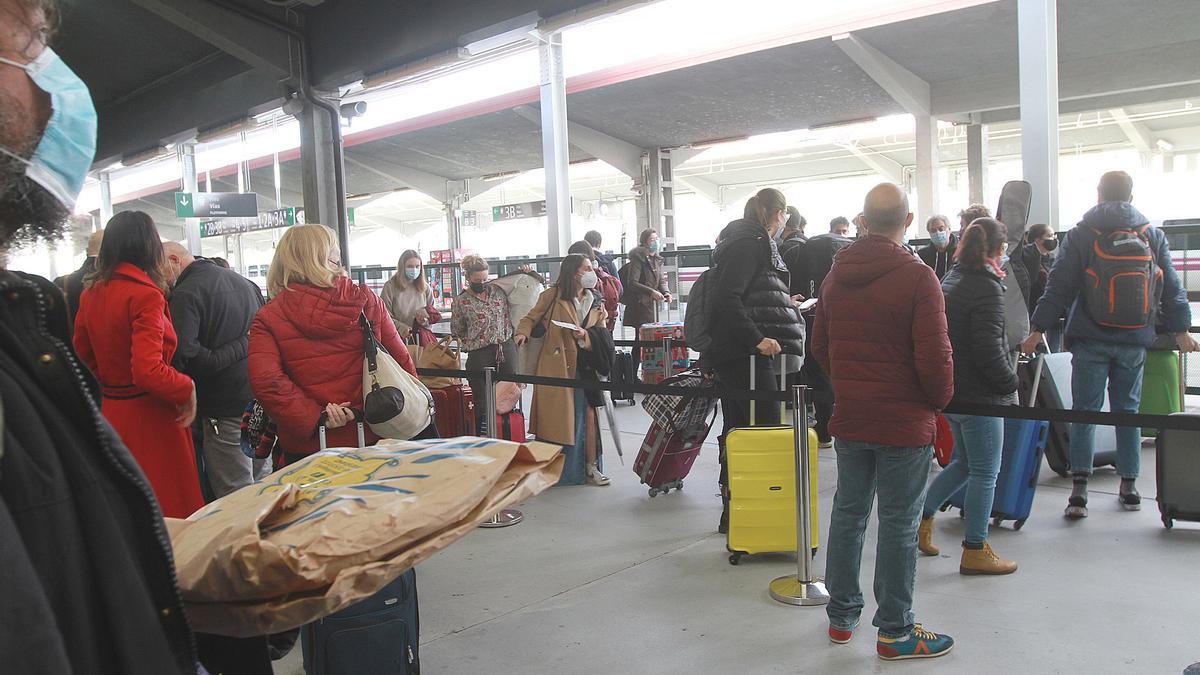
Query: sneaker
x=840, y=636
x=1130, y=499
x=984, y=561
x=925, y=537
x=596, y=478
x=825, y=444
x=919, y=644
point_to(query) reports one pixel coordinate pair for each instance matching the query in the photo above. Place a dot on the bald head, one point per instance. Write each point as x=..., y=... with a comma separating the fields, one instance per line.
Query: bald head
x=886, y=210
x=94, y=241
x=178, y=259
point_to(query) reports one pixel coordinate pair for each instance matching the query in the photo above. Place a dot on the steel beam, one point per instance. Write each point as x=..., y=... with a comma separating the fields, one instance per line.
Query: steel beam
x=901, y=84
x=317, y=158
x=434, y=186
x=977, y=162
x=1037, y=45
x=622, y=155
x=927, y=167
x=877, y=162
x=555, y=144
x=247, y=40
x=106, y=204
x=187, y=167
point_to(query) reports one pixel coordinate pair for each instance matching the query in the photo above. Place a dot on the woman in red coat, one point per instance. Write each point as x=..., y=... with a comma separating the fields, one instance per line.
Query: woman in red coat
x=306, y=348
x=123, y=333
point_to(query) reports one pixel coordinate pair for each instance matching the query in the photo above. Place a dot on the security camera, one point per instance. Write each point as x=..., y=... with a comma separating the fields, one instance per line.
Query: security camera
x=355, y=109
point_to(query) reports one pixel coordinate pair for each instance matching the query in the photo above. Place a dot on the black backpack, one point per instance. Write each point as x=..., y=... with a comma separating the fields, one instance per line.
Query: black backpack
x=812, y=262
x=697, y=323
x=1122, y=283
x=623, y=277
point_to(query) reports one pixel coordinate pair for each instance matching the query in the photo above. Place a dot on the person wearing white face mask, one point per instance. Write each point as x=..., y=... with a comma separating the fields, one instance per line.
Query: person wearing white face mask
x=644, y=285
x=939, y=253
x=409, y=300
x=565, y=416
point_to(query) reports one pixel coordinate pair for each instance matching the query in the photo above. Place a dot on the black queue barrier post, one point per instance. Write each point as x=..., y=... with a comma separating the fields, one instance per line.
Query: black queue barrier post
x=504, y=517
x=801, y=588
x=668, y=366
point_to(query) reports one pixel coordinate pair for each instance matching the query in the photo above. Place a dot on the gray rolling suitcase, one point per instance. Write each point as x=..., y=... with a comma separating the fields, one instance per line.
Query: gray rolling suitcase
x=1177, y=472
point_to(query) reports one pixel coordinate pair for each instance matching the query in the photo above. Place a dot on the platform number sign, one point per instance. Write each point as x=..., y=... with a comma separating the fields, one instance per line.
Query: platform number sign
x=519, y=211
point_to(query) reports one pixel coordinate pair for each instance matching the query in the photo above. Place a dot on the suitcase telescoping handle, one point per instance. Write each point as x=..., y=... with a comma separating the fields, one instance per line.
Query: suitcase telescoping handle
x=1039, y=363
x=358, y=420
x=754, y=387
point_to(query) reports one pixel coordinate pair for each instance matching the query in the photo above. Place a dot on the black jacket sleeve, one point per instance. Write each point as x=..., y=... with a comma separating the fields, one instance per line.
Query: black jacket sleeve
x=988, y=351
x=191, y=357
x=598, y=359
x=738, y=267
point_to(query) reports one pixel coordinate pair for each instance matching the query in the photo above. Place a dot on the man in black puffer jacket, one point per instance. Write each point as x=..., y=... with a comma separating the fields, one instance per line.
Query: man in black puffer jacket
x=757, y=314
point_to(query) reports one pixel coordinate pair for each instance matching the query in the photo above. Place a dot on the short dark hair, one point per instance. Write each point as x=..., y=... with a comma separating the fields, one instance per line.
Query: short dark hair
x=1037, y=231
x=840, y=220
x=582, y=248
x=644, y=237
x=1115, y=186
x=593, y=237
x=795, y=221
x=981, y=237
x=973, y=213
x=131, y=237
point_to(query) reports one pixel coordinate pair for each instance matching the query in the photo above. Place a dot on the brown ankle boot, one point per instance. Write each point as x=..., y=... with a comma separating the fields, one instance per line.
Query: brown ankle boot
x=925, y=537
x=984, y=561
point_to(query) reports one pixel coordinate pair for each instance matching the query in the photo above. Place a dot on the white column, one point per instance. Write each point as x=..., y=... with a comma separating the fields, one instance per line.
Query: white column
x=1037, y=40
x=927, y=168
x=106, y=205
x=187, y=165
x=977, y=163
x=555, y=151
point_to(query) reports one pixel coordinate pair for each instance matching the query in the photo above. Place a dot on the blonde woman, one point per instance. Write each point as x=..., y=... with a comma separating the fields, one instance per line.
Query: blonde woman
x=561, y=415
x=409, y=300
x=480, y=322
x=306, y=348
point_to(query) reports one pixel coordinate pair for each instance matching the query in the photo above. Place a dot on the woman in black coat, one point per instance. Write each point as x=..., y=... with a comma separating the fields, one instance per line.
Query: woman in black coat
x=983, y=373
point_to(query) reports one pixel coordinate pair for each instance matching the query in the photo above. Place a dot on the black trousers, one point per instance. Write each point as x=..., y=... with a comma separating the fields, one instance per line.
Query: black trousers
x=735, y=375
x=479, y=359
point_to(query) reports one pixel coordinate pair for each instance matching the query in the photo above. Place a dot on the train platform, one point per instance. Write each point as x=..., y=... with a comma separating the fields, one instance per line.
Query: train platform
x=607, y=580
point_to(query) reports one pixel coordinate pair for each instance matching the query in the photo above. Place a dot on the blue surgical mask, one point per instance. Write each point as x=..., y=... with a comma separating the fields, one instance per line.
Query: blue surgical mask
x=655, y=245
x=412, y=273
x=940, y=238
x=63, y=156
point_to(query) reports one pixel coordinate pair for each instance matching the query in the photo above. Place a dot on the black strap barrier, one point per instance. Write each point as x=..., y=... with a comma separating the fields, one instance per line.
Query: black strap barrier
x=1119, y=419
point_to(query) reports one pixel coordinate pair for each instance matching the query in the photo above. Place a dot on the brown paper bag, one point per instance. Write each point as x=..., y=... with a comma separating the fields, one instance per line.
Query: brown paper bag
x=338, y=526
x=445, y=354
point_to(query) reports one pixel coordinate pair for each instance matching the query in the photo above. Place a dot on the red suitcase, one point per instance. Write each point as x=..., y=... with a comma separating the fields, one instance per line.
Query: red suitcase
x=511, y=426
x=666, y=458
x=454, y=411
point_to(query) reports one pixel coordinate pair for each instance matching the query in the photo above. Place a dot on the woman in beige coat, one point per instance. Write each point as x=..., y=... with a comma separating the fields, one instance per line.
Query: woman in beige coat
x=558, y=414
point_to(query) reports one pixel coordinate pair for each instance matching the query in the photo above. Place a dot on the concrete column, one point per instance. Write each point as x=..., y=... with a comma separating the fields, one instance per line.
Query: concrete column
x=275, y=162
x=187, y=165
x=977, y=162
x=649, y=204
x=106, y=205
x=1037, y=43
x=317, y=158
x=555, y=151
x=453, y=225
x=927, y=168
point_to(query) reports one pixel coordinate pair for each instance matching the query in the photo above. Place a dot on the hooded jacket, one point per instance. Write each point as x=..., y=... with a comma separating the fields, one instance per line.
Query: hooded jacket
x=939, y=261
x=1066, y=279
x=306, y=350
x=880, y=333
x=751, y=297
x=983, y=371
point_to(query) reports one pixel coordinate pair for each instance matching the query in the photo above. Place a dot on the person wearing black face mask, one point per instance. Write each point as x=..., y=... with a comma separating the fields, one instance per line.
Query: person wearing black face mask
x=1038, y=256
x=480, y=321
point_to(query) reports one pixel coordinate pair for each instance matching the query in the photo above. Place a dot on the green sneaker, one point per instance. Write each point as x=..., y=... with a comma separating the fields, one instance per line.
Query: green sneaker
x=919, y=644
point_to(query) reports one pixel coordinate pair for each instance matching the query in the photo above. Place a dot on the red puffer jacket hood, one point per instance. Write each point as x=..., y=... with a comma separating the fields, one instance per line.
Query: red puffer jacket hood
x=306, y=351
x=880, y=333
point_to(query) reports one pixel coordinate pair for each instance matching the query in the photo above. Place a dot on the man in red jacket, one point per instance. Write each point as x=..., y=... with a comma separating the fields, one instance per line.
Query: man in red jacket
x=880, y=333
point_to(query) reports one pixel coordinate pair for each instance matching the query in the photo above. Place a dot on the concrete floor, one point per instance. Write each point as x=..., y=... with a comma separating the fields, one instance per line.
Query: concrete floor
x=606, y=580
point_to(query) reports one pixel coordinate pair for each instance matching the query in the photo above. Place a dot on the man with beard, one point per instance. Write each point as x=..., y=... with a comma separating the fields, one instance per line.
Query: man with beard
x=88, y=582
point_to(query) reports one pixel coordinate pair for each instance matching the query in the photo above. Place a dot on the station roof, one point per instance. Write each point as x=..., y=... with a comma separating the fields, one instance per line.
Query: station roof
x=1113, y=55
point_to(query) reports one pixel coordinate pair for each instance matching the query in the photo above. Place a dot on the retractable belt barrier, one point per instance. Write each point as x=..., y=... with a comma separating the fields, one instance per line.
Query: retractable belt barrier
x=1119, y=419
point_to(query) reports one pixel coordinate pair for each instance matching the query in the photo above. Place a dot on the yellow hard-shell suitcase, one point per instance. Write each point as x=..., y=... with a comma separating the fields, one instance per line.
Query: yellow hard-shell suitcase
x=762, y=489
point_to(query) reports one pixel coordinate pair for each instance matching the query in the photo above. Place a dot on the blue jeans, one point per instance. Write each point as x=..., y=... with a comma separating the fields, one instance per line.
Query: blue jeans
x=978, y=446
x=899, y=476
x=1095, y=364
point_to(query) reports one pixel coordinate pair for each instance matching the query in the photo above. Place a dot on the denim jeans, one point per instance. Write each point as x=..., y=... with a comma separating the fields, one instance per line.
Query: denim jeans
x=978, y=446
x=1093, y=365
x=899, y=475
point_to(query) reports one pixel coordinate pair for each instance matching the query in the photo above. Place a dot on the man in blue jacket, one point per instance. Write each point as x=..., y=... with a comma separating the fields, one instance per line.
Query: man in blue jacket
x=1102, y=355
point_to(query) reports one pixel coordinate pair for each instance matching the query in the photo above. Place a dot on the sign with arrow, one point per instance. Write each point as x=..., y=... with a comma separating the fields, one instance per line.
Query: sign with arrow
x=216, y=205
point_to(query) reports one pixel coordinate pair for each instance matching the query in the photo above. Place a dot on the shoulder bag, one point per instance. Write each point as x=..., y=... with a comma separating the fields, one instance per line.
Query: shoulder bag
x=395, y=403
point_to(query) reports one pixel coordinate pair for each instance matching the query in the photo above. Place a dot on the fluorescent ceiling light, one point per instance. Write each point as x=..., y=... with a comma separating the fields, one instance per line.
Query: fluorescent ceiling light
x=503, y=34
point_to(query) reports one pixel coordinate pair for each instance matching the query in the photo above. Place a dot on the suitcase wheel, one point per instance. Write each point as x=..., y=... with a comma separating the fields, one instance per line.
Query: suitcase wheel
x=735, y=558
x=997, y=521
x=1168, y=521
x=1017, y=525
x=653, y=493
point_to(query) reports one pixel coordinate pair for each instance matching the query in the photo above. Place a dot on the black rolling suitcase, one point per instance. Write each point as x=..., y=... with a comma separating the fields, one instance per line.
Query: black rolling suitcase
x=377, y=635
x=623, y=373
x=1177, y=472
